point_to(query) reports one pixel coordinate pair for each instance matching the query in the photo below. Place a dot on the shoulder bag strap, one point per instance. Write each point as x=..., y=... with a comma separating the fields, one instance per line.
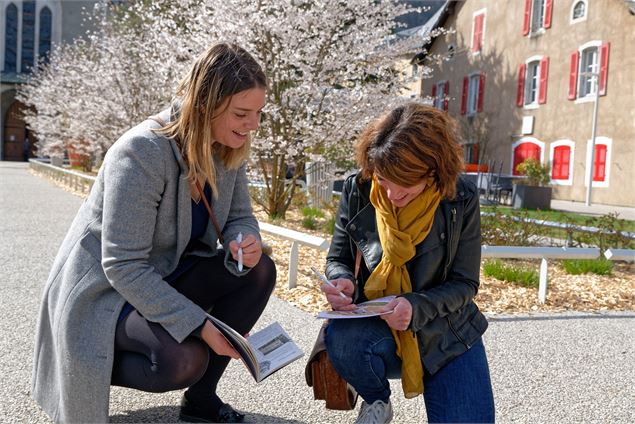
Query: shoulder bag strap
x=358, y=262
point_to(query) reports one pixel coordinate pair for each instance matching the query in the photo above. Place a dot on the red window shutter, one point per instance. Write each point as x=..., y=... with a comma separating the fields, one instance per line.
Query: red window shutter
x=477, y=37
x=561, y=160
x=466, y=81
x=573, y=75
x=481, y=92
x=557, y=164
x=566, y=162
x=520, y=95
x=544, y=72
x=434, y=91
x=446, y=94
x=548, y=13
x=604, y=67
x=527, y=17
x=599, y=165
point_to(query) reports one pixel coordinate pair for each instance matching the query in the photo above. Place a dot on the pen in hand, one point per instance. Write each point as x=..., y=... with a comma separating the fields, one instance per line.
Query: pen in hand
x=239, y=239
x=326, y=280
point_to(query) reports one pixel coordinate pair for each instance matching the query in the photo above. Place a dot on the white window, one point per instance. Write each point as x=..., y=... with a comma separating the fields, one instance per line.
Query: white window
x=537, y=15
x=578, y=11
x=589, y=72
x=472, y=94
x=531, y=82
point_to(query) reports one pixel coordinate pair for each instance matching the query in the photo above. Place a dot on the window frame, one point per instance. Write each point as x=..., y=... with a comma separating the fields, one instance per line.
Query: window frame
x=532, y=140
x=572, y=19
x=552, y=150
x=526, y=89
x=472, y=93
x=441, y=98
x=532, y=18
x=5, y=27
x=588, y=97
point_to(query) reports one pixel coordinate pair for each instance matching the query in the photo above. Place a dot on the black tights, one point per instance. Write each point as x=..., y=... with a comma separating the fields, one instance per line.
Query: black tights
x=146, y=356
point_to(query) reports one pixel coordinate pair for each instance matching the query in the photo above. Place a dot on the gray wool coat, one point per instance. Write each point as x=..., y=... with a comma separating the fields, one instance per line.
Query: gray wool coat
x=129, y=233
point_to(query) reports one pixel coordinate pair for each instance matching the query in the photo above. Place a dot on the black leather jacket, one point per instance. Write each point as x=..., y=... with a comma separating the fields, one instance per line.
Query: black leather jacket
x=444, y=271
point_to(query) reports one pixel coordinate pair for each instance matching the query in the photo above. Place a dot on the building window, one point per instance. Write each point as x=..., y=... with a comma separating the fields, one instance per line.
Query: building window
x=589, y=70
x=478, y=28
x=525, y=150
x=537, y=16
x=561, y=163
x=28, y=36
x=44, y=45
x=11, y=39
x=588, y=65
x=532, y=82
x=561, y=159
x=579, y=11
x=473, y=91
x=470, y=153
x=601, y=162
x=440, y=92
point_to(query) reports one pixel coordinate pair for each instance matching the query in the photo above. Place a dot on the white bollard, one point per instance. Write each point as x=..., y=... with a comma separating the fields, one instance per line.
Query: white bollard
x=542, y=286
x=293, y=265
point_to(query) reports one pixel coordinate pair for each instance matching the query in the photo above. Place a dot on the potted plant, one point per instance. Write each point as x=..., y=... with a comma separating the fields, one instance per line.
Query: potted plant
x=533, y=191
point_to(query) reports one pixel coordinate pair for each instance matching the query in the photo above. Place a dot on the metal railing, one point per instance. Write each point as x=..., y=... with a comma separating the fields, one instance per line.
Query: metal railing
x=74, y=180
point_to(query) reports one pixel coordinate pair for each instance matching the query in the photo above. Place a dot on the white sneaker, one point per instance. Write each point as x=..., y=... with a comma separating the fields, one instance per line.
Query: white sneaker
x=376, y=413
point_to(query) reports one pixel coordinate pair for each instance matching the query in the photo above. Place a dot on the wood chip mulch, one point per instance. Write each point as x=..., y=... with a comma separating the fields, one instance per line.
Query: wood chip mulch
x=588, y=292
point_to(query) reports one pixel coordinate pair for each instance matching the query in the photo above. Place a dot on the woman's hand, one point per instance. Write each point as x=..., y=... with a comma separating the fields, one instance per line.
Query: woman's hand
x=252, y=250
x=217, y=341
x=400, y=317
x=339, y=303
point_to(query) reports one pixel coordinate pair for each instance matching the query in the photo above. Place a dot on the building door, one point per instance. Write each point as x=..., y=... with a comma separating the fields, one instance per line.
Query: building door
x=18, y=141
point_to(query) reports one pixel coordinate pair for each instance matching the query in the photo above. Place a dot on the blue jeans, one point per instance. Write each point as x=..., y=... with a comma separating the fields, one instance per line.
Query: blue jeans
x=363, y=352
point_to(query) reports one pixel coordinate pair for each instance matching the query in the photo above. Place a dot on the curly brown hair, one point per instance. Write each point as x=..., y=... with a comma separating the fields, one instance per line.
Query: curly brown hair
x=410, y=143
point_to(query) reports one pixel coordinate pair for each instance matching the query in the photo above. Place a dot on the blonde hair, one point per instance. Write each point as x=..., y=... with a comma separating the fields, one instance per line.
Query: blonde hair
x=219, y=73
x=409, y=144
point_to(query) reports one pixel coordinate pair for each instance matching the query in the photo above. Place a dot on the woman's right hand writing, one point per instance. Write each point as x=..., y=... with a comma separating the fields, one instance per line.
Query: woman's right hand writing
x=339, y=303
x=217, y=341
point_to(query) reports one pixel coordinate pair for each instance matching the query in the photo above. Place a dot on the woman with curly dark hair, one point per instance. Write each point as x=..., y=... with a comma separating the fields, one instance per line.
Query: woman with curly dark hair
x=409, y=226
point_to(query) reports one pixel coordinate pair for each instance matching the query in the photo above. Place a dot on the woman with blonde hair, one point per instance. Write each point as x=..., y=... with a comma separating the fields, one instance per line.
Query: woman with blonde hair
x=147, y=257
x=409, y=226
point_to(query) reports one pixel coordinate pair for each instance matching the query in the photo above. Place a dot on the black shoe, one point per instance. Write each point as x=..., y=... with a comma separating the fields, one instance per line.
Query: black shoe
x=201, y=413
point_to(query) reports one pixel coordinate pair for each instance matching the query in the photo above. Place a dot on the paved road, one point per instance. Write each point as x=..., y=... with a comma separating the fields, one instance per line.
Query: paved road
x=545, y=368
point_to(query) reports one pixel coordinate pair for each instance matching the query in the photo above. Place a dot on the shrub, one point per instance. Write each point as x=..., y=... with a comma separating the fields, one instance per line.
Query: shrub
x=536, y=173
x=309, y=211
x=583, y=266
x=513, y=274
x=309, y=222
x=499, y=229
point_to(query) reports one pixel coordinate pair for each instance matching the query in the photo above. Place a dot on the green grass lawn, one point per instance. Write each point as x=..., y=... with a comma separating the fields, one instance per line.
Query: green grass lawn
x=558, y=216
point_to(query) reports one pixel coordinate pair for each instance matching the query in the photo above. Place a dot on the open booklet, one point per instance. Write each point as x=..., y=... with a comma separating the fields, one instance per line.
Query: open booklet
x=263, y=352
x=371, y=308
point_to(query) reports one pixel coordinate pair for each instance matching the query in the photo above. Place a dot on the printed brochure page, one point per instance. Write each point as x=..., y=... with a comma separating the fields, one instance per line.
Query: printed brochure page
x=371, y=308
x=263, y=352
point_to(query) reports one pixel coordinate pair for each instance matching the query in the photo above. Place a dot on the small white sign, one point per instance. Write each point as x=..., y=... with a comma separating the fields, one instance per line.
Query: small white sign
x=528, y=125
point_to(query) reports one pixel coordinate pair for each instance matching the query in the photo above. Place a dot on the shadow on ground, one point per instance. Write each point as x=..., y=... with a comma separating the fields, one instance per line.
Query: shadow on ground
x=170, y=414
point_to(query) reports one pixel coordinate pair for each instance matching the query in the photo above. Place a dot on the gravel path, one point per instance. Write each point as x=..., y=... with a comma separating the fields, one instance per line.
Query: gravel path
x=548, y=368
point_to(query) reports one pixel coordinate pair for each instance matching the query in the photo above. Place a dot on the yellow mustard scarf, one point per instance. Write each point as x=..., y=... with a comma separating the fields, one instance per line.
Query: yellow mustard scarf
x=400, y=230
